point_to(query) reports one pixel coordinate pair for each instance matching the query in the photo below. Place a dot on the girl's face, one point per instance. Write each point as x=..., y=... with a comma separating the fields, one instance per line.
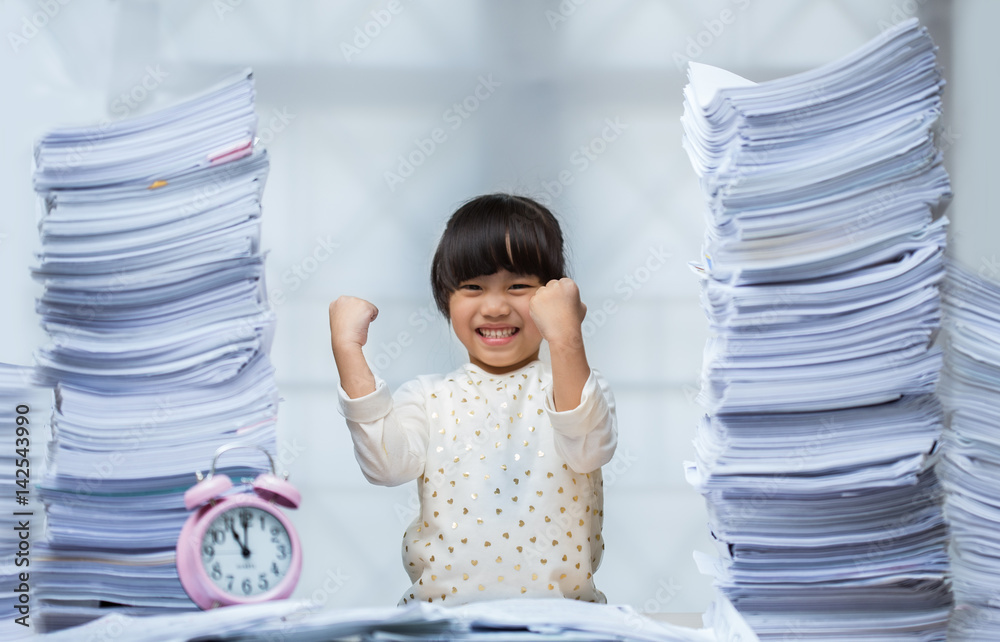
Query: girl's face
x=490, y=317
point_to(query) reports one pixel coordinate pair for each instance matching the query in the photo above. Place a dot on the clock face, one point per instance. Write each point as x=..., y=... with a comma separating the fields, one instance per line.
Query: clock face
x=246, y=551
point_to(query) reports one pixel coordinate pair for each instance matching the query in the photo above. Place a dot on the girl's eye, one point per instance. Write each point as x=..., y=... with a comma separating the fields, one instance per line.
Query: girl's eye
x=469, y=286
x=521, y=285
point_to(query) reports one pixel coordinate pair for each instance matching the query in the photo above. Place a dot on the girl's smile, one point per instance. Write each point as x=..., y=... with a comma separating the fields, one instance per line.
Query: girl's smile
x=490, y=316
x=497, y=336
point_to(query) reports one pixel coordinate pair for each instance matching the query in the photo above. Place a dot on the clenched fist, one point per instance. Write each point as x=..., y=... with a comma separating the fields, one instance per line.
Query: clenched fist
x=349, y=321
x=558, y=312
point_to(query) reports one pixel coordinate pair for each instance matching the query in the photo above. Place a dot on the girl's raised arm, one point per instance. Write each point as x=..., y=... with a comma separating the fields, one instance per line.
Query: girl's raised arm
x=349, y=321
x=558, y=314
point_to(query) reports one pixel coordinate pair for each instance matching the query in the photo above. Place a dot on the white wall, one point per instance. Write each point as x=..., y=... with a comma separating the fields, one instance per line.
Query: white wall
x=971, y=100
x=337, y=125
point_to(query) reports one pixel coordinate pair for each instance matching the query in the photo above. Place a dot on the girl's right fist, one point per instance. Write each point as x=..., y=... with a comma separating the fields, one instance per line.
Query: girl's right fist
x=349, y=321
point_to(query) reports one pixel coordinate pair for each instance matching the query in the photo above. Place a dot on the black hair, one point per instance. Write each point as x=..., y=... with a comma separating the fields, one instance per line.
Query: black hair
x=475, y=243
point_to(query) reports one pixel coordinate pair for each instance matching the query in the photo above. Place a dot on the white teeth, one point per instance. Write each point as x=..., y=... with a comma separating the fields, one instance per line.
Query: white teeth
x=497, y=334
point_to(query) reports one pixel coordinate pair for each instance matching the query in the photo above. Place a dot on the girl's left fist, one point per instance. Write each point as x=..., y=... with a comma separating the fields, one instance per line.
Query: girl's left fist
x=557, y=310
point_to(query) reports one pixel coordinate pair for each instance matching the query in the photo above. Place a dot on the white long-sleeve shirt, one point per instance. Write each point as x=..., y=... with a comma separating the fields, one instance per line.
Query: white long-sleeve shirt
x=511, y=498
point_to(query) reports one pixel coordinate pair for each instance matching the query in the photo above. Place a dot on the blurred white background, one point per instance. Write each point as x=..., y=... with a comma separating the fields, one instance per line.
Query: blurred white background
x=520, y=90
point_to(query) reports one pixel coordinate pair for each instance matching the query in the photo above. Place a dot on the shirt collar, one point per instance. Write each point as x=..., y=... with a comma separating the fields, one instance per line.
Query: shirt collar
x=470, y=376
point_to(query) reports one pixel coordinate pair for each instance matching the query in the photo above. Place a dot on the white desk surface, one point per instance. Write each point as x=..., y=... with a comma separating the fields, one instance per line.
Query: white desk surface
x=690, y=620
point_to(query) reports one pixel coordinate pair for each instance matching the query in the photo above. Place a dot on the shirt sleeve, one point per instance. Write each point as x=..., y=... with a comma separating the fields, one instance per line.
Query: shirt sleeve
x=389, y=432
x=587, y=435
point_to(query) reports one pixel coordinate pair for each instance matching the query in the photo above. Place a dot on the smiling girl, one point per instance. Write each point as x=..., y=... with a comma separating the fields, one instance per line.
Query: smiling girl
x=506, y=450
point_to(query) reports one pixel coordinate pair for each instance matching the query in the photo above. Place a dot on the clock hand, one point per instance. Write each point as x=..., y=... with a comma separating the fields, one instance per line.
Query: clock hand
x=245, y=520
x=243, y=549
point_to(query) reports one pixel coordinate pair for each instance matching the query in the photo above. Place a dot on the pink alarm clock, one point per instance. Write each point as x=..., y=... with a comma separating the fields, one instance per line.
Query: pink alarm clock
x=239, y=549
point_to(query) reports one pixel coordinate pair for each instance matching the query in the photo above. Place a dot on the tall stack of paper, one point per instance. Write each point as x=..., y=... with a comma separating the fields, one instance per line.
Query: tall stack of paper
x=970, y=467
x=822, y=264
x=25, y=409
x=155, y=304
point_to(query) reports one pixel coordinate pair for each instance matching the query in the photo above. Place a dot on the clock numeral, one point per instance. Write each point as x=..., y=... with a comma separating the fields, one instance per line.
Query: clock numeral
x=226, y=540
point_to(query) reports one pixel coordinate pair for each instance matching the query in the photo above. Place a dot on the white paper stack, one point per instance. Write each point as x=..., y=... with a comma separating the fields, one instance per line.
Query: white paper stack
x=514, y=619
x=160, y=327
x=820, y=279
x=25, y=409
x=970, y=467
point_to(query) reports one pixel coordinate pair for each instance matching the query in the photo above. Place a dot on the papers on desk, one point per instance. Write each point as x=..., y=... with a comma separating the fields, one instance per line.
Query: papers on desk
x=535, y=619
x=970, y=468
x=159, y=326
x=821, y=271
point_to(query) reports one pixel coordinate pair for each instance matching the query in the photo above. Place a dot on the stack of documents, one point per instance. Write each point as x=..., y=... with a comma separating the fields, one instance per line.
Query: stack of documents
x=515, y=619
x=159, y=326
x=821, y=271
x=970, y=467
x=25, y=409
